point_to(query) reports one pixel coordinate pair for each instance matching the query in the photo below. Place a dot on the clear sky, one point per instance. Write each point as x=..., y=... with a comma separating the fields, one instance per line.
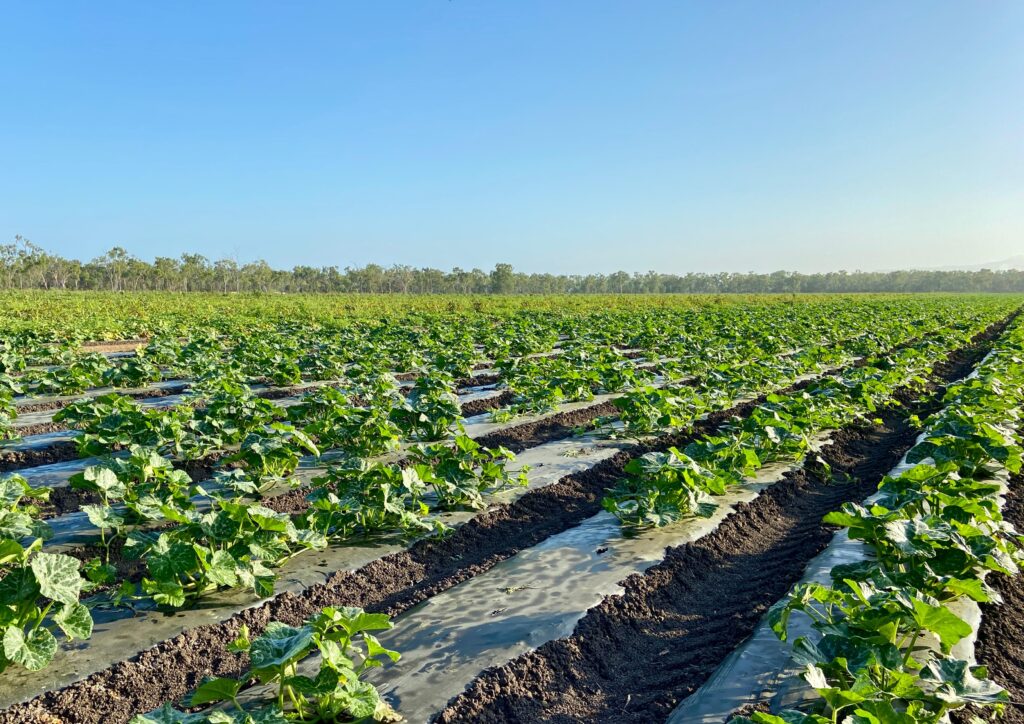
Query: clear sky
x=563, y=136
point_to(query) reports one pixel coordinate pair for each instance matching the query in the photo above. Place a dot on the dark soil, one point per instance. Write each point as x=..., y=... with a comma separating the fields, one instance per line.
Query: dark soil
x=65, y=499
x=61, y=404
x=748, y=709
x=555, y=427
x=128, y=569
x=40, y=428
x=477, y=381
x=16, y=459
x=281, y=392
x=477, y=407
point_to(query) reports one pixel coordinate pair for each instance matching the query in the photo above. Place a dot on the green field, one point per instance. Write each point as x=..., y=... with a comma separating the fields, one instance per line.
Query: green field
x=188, y=463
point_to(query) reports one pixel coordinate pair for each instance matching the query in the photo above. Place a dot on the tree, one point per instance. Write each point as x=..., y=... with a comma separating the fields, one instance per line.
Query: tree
x=193, y=270
x=502, y=279
x=114, y=264
x=225, y=271
x=23, y=265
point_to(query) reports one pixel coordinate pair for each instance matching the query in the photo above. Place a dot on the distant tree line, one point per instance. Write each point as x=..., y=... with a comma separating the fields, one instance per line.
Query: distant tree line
x=23, y=265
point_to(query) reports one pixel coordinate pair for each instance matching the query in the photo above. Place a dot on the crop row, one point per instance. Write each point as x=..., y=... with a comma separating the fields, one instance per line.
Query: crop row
x=662, y=487
x=886, y=627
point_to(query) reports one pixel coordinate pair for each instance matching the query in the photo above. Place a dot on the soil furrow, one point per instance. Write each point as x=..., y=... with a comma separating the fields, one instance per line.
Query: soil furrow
x=61, y=404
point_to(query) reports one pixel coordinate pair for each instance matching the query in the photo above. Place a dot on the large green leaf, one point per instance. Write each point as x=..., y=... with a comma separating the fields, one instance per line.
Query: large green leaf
x=355, y=620
x=58, y=576
x=165, y=593
x=169, y=561
x=268, y=519
x=279, y=644
x=940, y=621
x=12, y=489
x=15, y=525
x=101, y=479
x=213, y=690
x=103, y=516
x=10, y=551
x=223, y=569
x=74, y=620
x=955, y=682
x=358, y=698
x=34, y=651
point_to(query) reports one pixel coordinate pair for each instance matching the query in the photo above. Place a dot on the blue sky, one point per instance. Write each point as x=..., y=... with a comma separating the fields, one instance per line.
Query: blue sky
x=574, y=136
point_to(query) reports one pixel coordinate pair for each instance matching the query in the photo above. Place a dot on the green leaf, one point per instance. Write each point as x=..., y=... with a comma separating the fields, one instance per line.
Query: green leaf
x=940, y=621
x=15, y=525
x=359, y=699
x=957, y=683
x=167, y=714
x=58, y=576
x=333, y=656
x=10, y=551
x=267, y=715
x=374, y=648
x=165, y=593
x=241, y=642
x=101, y=479
x=355, y=620
x=34, y=651
x=169, y=561
x=268, y=519
x=18, y=586
x=12, y=489
x=223, y=569
x=102, y=516
x=215, y=689
x=74, y=620
x=279, y=644
x=325, y=683
x=973, y=588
